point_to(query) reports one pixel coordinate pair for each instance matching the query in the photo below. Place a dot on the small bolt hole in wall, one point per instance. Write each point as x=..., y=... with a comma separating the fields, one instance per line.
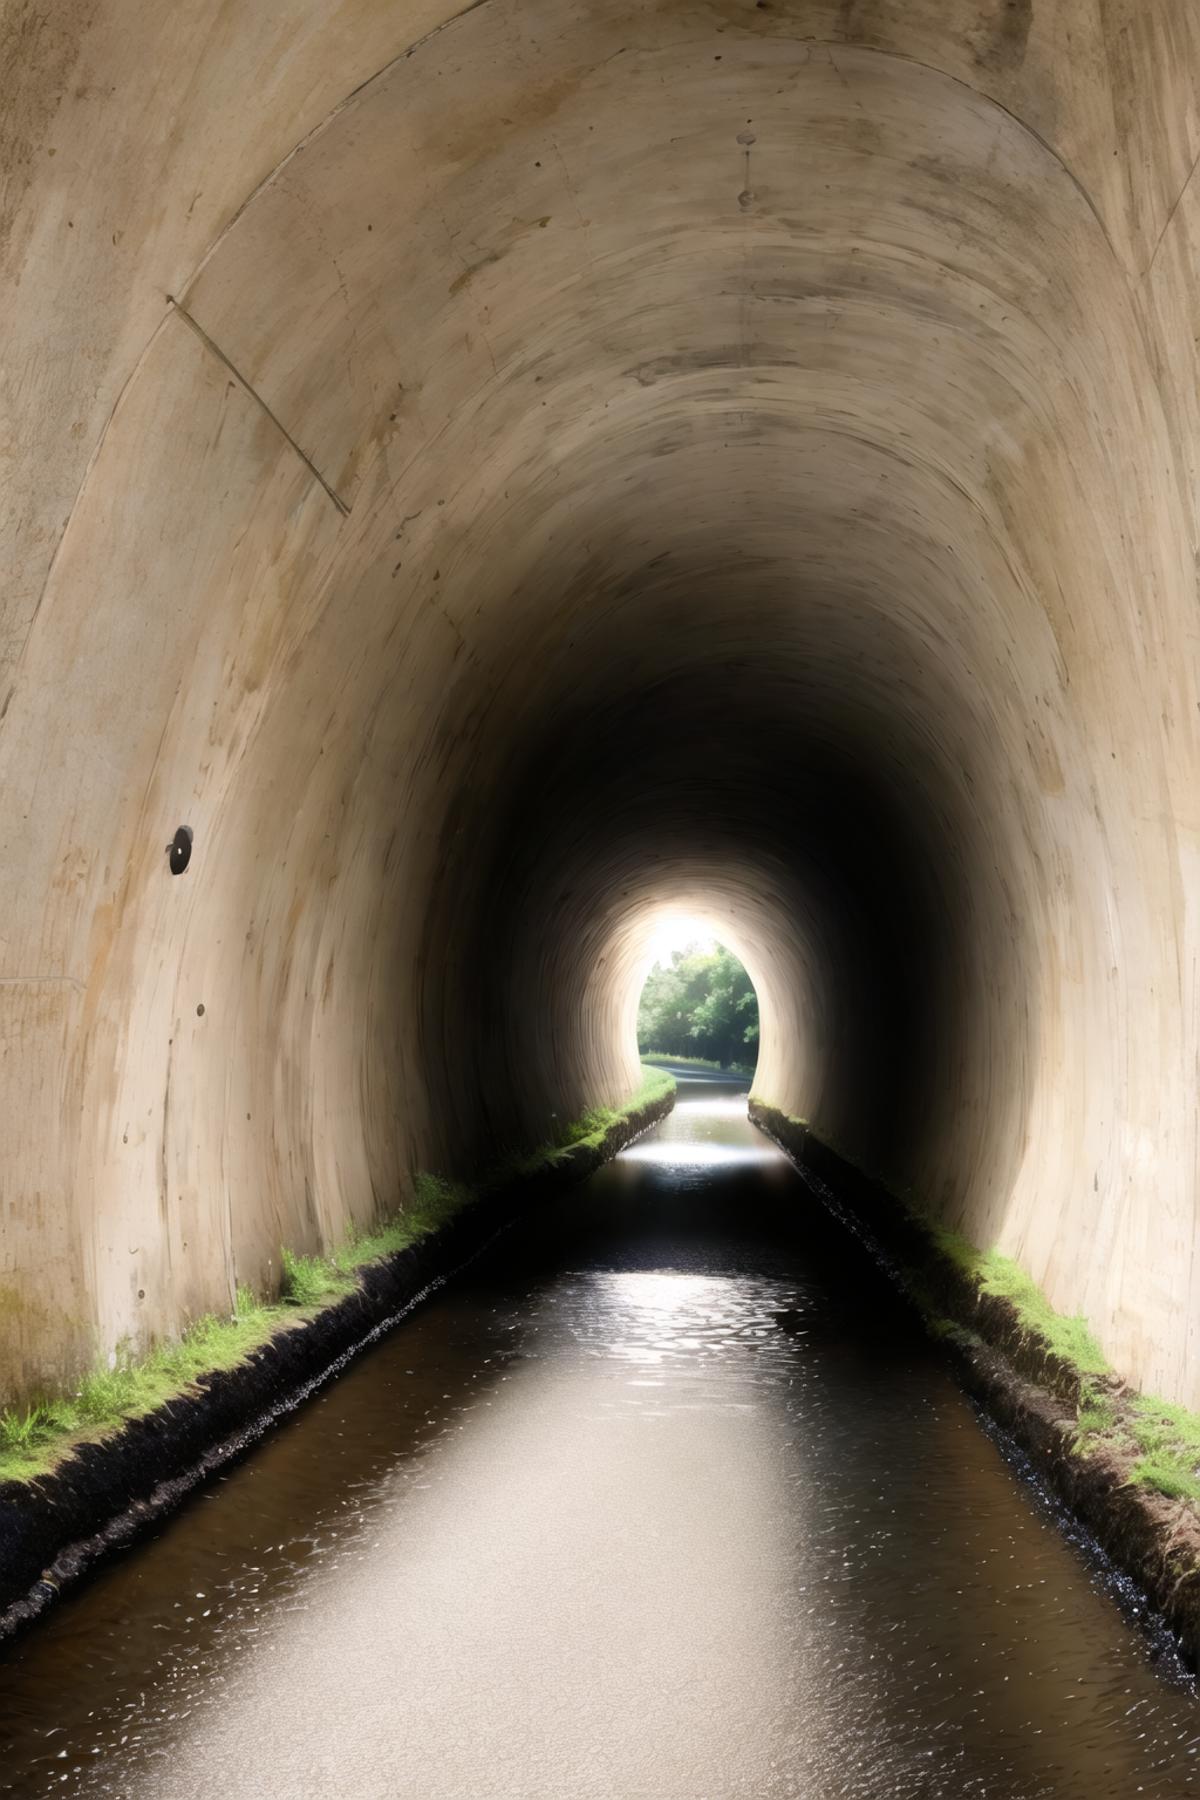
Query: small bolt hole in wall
x=179, y=850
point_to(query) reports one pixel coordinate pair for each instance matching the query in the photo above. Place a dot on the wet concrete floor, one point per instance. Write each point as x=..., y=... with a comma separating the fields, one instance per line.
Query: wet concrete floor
x=664, y=1499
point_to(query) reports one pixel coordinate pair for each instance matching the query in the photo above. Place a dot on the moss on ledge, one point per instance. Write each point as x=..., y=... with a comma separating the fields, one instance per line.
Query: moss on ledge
x=951, y=1280
x=34, y=1441
x=1068, y=1338
x=1126, y=1464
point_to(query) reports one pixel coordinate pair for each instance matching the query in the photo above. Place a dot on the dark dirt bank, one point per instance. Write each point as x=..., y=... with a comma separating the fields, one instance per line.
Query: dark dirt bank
x=1020, y=1382
x=103, y=1495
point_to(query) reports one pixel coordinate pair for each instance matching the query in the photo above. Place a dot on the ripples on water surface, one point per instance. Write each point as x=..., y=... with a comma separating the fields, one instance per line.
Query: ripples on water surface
x=663, y=1499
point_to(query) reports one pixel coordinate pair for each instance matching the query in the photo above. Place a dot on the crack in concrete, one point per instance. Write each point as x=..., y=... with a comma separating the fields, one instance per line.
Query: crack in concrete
x=1170, y=218
x=217, y=351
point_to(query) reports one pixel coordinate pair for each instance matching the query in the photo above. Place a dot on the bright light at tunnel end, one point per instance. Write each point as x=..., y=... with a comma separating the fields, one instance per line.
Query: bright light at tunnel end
x=668, y=932
x=666, y=927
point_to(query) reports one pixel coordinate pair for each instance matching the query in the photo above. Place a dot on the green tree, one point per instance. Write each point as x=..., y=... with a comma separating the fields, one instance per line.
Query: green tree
x=701, y=1003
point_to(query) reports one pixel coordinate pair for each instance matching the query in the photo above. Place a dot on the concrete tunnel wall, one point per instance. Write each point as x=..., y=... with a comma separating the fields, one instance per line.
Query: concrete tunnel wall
x=492, y=476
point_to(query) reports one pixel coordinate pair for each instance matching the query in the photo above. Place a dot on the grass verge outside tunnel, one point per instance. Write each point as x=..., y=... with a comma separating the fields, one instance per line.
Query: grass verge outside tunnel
x=655, y=1057
x=35, y=1439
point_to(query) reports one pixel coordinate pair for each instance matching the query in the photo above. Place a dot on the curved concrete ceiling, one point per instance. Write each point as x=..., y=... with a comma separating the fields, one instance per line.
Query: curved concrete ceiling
x=493, y=476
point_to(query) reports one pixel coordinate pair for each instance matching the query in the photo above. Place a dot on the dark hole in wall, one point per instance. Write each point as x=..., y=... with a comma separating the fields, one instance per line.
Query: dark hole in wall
x=179, y=850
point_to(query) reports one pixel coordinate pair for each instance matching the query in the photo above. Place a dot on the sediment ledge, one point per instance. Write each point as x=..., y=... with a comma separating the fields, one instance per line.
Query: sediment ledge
x=1020, y=1381
x=55, y=1527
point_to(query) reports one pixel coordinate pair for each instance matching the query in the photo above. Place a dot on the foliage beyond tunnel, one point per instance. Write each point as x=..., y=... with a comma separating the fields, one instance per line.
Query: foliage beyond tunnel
x=701, y=1004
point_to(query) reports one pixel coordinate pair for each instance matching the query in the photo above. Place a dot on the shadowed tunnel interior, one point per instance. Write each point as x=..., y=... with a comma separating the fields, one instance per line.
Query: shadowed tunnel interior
x=495, y=477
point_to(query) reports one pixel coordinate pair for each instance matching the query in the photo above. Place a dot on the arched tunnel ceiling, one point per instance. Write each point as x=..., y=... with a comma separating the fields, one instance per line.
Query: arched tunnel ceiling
x=492, y=476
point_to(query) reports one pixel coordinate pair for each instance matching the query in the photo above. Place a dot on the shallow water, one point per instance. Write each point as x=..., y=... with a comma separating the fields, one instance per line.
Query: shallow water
x=664, y=1497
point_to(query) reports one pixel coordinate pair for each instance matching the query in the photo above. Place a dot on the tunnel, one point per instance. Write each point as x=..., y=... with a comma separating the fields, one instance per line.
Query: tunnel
x=488, y=477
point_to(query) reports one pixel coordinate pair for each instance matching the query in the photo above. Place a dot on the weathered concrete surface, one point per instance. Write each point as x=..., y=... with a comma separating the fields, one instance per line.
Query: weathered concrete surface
x=490, y=481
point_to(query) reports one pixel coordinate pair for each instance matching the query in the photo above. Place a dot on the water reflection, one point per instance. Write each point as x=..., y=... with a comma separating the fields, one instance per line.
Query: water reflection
x=663, y=1499
x=697, y=1155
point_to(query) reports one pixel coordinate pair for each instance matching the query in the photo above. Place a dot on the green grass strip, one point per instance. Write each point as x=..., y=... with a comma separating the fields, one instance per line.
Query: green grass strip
x=33, y=1440
x=697, y=1062
x=1162, y=1438
x=1068, y=1337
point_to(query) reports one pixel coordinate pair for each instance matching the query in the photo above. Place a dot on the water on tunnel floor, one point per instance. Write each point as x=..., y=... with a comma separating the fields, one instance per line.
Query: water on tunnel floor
x=663, y=1498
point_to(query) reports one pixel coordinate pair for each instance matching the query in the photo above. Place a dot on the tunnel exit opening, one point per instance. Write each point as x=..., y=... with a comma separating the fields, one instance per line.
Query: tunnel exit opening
x=698, y=1002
